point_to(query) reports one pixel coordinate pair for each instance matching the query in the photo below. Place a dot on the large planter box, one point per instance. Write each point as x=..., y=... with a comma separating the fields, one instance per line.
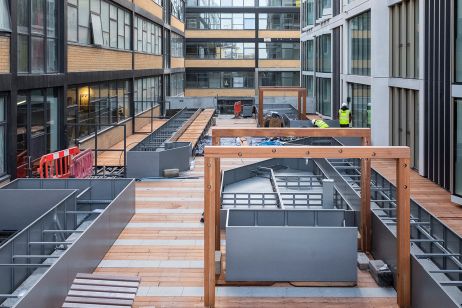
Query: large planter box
x=143, y=164
x=290, y=245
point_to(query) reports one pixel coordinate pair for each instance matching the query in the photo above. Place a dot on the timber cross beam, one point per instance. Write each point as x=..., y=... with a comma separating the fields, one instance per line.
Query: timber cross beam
x=212, y=184
x=301, y=99
x=363, y=133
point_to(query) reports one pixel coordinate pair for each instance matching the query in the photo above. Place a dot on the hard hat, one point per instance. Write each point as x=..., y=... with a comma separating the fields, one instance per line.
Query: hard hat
x=344, y=105
x=313, y=121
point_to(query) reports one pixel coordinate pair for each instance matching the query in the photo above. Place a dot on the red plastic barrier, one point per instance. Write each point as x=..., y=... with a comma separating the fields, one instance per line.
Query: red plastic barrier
x=82, y=165
x=57, y=165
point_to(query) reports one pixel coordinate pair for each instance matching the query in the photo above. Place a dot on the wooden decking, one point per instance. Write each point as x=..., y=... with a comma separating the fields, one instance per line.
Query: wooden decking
x=163, y=244
x=114, y=158
x=432, y=197
x=195, y=130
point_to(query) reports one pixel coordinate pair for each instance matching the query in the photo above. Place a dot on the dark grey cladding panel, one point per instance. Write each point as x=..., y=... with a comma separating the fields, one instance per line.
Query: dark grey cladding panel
x=336, y=68
x=19, y=209
x=437, y=96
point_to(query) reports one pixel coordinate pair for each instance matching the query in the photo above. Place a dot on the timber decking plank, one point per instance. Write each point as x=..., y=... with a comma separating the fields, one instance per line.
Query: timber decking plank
x=107, y=277
x=81, y=305
x=430, y=196
x=90, y=300
x=80, y=287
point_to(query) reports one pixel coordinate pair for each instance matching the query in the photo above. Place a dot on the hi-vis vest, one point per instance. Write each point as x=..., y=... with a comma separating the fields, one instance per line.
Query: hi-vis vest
x=344, y=117
x=321, y=124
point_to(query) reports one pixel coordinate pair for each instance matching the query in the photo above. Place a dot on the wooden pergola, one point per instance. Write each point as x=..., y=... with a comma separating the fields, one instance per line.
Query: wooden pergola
x=301, y=93
x=212, y=184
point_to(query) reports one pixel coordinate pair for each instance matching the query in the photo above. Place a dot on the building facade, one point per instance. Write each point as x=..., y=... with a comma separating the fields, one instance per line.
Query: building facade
x=235, y=46
x=396, y=64
x=70, y=68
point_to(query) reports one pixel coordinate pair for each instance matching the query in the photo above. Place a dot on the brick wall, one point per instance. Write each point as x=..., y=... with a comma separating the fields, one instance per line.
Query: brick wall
x=150, y=6
x=177, y=62
x=85, y=59
x=4, y=54
x=115, y=135
x=177, y=23
x=219, y=63
x=145, y=61
x=279, y=63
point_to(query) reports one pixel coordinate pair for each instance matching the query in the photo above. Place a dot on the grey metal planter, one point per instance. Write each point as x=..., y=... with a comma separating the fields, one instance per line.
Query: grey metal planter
x=290, y=245
x=142, y=164
x=63, y=227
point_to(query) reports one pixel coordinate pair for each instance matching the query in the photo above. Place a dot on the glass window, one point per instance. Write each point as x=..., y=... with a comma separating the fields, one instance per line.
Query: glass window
x=279, y=51
x=177, y=45
x=308, y=14
x=323, y=8
x=218, y=80
x=178, y=9
x=277, y=3
x=220, y=50
x=2, y=135
x=308, y=84
x=108, y=24
x=220, y=21
x=100, y=103
x=360, y=45
x=5, y=22
x=279, y=79
x=404, y=121
x=404, y=39
x=360, y=96
x=279, y=21
x=458, y=149
x=37, y=48
x=72, y=35
x=323, y=96
x=323, y=55
x=310, y=55
x=458, y=42
x=147, y=94
x=37, y=56
x=148, y=36
x=177, y=84
x=37, y=128
x=97, y=29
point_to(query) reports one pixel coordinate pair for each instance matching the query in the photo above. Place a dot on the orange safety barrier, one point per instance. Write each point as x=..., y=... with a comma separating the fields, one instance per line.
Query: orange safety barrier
x=57, y=165
x=82, y=165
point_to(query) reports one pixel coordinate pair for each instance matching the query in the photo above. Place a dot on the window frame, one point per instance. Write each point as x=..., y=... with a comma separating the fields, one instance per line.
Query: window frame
x=5, y=10
x=4, y=126
x=45, y=37
x=116, y=24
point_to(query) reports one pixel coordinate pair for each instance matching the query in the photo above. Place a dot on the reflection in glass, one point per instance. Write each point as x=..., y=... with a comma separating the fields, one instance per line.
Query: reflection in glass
x=458, y=149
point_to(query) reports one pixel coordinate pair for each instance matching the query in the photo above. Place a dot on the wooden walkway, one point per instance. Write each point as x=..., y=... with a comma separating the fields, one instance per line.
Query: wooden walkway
x=114, y=158
x=163, y=245
x=432, y=197
x=194, y=132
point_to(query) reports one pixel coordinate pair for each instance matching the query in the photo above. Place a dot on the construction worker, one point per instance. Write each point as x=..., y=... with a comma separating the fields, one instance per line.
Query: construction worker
x=344, y=116
x=237, y=109
x=320, y=123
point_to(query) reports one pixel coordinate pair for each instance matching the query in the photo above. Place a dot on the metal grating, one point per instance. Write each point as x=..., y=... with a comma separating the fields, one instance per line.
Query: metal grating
x=158, y=138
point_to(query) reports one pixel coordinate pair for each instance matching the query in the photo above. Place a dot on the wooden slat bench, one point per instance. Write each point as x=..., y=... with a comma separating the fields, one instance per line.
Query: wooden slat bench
x=102, y=291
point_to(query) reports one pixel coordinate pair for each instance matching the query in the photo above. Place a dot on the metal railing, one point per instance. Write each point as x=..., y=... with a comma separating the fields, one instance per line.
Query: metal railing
x=157, y=139
x=142, y=115
x=299, y=182
x=249, y=200
x=97, y=130
x=438, y=243
x=306, y=199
